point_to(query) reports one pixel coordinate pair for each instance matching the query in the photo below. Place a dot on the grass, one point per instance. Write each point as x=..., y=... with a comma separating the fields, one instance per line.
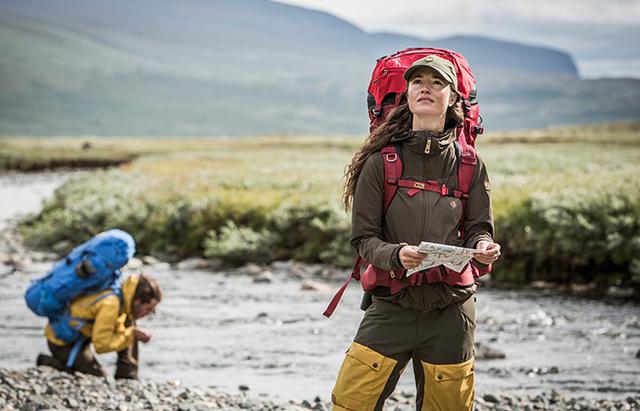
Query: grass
x=563, y=199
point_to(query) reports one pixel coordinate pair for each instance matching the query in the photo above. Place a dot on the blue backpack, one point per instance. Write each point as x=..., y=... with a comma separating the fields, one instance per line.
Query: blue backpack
x=91, y=267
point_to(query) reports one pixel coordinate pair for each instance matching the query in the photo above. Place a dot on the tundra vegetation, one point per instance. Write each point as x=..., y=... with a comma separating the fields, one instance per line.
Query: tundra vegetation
x=566, y=200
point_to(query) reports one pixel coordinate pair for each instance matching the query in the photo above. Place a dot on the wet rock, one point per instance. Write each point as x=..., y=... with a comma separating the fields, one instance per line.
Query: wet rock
x=499, y=372
x=265, y=277
x=490, y=398
x=484, y=352
x=540, y=319
x=541, y=371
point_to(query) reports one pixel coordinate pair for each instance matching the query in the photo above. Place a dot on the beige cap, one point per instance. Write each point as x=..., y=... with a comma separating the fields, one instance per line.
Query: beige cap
x=442, y=66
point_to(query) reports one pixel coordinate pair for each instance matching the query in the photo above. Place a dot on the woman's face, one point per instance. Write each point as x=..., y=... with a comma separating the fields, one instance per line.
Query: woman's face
x=428, y=94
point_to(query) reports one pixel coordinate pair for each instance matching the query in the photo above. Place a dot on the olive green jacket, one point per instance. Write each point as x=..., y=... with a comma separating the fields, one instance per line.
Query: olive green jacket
x=427, y=216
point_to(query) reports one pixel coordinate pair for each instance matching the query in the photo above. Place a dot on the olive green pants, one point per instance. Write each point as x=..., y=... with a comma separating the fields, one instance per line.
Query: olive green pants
x=439, y=341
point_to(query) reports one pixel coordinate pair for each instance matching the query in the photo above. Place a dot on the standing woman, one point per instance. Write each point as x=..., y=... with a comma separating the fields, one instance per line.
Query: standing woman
x=432, y=324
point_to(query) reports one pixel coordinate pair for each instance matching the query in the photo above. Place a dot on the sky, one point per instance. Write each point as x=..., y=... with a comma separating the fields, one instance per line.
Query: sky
x=603, y=36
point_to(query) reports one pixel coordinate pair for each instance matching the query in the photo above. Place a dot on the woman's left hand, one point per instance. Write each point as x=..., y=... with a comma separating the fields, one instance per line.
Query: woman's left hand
x=489, y=252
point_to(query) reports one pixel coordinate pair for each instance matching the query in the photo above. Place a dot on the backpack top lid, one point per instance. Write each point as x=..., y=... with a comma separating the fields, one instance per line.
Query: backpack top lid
x=387, y=87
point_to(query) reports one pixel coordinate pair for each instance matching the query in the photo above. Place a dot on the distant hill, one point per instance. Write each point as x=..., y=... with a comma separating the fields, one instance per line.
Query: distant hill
x=230, y=67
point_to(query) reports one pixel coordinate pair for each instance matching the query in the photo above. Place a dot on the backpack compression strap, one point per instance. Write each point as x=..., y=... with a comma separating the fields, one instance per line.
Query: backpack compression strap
x=392, y=171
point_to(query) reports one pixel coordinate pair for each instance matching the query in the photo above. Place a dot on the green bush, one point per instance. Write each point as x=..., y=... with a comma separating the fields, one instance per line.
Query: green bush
x=574, y=236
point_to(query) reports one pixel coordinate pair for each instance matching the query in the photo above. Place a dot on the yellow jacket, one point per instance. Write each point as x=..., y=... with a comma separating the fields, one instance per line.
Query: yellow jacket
x=108, y=331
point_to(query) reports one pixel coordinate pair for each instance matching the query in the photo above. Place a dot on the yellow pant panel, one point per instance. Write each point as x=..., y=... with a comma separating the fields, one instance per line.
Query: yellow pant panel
x=361, y=379
x=448, y=387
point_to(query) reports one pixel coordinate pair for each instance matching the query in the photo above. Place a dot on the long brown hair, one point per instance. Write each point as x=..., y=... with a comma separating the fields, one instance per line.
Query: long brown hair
x=399, y=121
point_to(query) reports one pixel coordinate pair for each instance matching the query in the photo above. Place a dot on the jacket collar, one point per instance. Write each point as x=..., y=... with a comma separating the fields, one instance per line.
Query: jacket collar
x=426, y=142
x=128, y=290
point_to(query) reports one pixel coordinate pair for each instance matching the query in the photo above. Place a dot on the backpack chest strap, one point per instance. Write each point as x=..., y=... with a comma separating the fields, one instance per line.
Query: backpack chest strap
x=429, y=185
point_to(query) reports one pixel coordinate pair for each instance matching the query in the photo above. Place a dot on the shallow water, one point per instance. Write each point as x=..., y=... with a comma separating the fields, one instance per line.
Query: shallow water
x=21, y=194
x=224, y=330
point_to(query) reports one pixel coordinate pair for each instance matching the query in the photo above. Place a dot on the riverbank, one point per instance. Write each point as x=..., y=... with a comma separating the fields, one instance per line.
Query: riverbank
x=15, y=257
x=45, y=388
x=528, y=341
x=566, y=206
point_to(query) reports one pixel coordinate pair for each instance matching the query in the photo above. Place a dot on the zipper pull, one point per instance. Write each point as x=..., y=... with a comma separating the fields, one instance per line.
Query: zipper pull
x=427, y=148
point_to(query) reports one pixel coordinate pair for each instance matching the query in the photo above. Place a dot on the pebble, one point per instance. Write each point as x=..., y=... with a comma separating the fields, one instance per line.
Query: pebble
x=86, y=392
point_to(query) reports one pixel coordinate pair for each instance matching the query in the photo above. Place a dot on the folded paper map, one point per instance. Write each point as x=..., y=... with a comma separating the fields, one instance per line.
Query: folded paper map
x=450, y=256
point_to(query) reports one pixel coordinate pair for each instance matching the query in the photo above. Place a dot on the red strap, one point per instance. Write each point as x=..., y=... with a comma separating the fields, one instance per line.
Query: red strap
x=468, y=160
x=429, y=185
x=336, y=299
x=355, y=274
x=392, y=172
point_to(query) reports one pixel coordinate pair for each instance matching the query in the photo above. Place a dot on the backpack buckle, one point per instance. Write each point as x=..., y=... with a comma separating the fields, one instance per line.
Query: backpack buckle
x=391, y=157
x=444, y=190
x=376, y=111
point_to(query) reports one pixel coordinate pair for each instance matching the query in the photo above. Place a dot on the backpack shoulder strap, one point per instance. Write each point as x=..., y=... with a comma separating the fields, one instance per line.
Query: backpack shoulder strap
x=392, y=173
x=467, y=160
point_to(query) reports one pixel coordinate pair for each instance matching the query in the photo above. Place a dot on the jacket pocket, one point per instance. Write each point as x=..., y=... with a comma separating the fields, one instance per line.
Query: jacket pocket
x=361, y=379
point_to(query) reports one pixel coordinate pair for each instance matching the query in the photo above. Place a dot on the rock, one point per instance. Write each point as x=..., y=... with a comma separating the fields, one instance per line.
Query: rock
x=281, y=265
x=620, y=292
x=243, y=388
x=133, y=264
x=252, y=269
x=310, y=285
x=490, y=398
x=265, y=277
x=638, y=354
x=484, y=352
x=194, y=263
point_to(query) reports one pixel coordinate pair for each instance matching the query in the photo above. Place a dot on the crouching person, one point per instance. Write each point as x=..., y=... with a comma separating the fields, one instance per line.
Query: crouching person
x=106, y=320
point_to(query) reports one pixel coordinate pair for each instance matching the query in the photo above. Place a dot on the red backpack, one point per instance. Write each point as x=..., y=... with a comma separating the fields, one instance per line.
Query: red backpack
x=387, y=91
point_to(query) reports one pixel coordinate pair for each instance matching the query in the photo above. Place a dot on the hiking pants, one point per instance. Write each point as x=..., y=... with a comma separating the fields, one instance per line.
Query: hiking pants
x=439, y=341
x=126, y=365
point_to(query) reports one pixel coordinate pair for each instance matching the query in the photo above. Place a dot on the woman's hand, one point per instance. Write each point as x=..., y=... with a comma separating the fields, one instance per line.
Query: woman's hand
x=489, y=252
x=410, y=257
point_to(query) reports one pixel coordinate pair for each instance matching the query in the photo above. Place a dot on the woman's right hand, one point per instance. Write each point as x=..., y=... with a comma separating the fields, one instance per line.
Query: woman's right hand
x=410, y=257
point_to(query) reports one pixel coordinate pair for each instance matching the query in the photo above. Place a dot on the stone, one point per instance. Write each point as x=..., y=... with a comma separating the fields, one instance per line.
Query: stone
x=265, y=277
x=484, y=352
x=490, y=398
x=194, y=263
x=133, y=264
x=310, y=285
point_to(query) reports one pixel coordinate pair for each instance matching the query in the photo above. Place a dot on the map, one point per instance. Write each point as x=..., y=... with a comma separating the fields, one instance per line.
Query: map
x=450, y=256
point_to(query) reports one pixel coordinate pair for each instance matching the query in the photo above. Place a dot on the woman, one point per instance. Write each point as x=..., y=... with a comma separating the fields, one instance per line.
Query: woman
x=432, y=324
